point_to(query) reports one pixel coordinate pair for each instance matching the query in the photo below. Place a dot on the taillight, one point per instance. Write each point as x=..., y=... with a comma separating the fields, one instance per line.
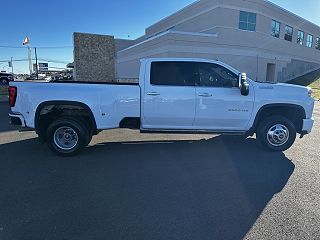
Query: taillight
x=12, y=95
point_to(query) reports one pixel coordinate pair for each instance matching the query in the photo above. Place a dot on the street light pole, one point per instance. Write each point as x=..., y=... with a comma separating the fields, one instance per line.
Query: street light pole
x=26, y=42
x=35, y=53
x=30, y=58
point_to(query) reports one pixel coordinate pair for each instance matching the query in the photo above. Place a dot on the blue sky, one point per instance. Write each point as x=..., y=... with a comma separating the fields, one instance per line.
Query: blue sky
x=51, y=23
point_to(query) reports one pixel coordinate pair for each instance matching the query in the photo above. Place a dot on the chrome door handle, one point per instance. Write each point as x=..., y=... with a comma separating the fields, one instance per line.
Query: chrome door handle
x=153, y=94
x=205, y=95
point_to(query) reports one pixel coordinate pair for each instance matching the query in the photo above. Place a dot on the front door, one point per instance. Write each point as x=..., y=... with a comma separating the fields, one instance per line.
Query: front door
x=169, y=97
x=219, y=103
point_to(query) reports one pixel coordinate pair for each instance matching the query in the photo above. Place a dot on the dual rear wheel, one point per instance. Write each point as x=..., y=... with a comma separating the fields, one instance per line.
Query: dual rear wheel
x=67, y=136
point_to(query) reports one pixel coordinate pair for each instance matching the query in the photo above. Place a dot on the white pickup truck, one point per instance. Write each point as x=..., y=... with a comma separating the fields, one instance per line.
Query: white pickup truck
x=173, y=96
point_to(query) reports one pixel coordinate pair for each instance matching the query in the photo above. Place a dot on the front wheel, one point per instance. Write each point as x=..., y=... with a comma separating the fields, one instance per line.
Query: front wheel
x=276, y=133
x=67, y=136
x=4, y=81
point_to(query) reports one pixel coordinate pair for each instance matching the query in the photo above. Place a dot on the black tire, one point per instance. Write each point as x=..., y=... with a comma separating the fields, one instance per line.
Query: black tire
x=67, y=136
x=276, y=133
x=89, y=139
x=89, y=136
x=4, y=81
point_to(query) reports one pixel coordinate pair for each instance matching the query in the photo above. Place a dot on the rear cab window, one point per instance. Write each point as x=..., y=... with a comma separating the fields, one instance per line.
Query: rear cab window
x=173, y=73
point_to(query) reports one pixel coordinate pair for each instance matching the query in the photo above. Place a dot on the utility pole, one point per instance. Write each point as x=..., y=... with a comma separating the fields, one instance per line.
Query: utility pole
x=12, y=65
x=30, y=59
x=35, y=53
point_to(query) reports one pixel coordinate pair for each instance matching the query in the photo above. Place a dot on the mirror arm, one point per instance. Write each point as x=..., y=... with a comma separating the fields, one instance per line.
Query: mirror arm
x=245, y=89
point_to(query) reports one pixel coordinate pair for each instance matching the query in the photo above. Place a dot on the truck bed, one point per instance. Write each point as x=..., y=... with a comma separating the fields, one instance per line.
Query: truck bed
x=103, y=99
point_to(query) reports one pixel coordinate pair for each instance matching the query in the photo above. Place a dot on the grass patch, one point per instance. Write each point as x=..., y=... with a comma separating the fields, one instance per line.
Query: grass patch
x=316, y=88
x=310, y=80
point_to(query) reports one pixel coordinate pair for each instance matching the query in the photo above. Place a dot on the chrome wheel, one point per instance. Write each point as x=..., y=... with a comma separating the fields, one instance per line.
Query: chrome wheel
x=278, y=135
x=65, y=138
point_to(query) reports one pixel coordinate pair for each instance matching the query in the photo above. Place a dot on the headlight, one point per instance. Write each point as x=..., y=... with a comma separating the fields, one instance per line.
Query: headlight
x=310, y=92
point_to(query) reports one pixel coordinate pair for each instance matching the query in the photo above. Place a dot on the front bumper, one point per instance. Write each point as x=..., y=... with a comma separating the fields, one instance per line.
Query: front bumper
x=307, y=125
x=17, y=120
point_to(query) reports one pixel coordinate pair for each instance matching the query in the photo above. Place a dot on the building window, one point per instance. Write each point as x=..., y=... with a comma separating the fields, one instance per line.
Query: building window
x=300, y=37
x=275, y=29
x=288, y=34
x=318, y=43
x=309, y=41
x=247, y=21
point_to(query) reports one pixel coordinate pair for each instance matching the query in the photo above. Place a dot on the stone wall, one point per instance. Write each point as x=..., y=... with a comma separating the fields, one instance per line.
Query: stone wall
x=94, y=57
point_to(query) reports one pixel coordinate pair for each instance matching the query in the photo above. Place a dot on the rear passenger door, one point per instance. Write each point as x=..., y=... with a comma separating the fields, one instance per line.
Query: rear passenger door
x=169, y=97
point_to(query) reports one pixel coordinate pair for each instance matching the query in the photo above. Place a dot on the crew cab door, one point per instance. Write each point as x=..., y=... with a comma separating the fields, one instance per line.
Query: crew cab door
x=168, y=97
x=219, y=103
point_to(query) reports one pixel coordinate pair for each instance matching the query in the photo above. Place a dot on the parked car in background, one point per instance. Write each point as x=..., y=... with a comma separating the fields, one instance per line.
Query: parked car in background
x=62, y=76
x=5, y=78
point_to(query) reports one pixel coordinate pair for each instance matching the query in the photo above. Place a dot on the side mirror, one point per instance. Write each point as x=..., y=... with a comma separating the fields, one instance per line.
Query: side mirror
x=243, y=84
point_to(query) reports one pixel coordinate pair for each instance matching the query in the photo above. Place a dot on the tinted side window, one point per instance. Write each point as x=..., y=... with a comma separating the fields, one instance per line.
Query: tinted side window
x=173, y=73
x=213, y=75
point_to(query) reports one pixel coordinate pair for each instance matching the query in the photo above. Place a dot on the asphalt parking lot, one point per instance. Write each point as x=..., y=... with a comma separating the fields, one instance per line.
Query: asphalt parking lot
x=131, y=186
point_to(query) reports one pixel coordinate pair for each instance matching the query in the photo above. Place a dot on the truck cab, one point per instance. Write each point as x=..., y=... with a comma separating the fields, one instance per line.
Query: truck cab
x=194, y=95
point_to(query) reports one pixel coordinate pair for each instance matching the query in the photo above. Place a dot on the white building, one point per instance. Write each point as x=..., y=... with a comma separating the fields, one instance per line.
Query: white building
x=258, y=37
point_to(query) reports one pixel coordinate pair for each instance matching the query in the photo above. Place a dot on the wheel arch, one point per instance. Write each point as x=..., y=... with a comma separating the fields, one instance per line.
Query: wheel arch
x=293, y=112
x=79, y=105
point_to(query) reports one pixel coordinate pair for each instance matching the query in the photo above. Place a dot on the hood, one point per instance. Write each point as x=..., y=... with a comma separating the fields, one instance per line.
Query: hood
x=282, y=91
x=292, y=86
x=281, y=86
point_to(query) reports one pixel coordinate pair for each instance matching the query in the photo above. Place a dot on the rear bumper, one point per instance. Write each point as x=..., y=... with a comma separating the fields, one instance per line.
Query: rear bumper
x=17, y=120
x=307, y=125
